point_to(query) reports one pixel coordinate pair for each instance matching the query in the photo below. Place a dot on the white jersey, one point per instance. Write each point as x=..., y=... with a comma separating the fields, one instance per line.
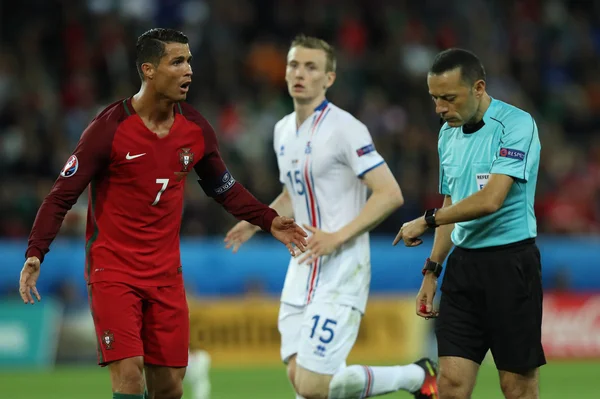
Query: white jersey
x=321, y=163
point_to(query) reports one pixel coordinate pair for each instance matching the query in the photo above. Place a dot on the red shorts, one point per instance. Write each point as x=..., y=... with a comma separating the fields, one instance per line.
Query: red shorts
x=130, y=321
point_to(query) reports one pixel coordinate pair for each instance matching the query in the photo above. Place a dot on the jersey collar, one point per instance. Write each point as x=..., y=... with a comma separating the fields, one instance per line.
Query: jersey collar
x=489, y=113
x=472, y=128
x=322, y=106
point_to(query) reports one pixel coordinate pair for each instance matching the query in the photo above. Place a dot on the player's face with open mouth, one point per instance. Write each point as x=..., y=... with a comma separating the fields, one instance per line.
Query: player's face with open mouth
x=454, y=99
x=174, y=73
x=306, y=74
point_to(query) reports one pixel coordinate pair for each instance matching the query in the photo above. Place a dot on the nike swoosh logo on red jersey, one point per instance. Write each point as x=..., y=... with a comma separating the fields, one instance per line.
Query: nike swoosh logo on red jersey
x=128, y=157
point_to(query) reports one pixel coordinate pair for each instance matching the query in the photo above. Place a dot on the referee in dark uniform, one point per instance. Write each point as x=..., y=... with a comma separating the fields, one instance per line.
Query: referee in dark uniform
x=491, y=299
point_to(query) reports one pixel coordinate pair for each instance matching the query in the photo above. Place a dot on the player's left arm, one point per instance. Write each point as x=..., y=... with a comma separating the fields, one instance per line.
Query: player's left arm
x=518, y=146
x=386, y=197
x=218, y=183
x=359, y=153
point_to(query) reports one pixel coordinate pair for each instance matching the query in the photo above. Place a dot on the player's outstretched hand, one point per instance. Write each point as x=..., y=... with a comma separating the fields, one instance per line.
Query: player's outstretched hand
x=320, y=244
x=289, y=233
x=426, y=295
x=239, y=234
x=410, y=232
x=29, y=276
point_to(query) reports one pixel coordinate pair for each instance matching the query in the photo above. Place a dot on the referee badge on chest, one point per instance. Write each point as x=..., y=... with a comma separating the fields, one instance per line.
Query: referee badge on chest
x=186, y=159
x=482, y=180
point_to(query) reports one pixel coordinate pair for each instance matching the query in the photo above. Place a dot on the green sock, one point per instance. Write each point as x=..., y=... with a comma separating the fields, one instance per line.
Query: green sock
x=127, y=396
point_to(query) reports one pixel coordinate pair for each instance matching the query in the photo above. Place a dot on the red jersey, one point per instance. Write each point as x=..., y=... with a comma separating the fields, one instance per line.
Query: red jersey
x=136, y=186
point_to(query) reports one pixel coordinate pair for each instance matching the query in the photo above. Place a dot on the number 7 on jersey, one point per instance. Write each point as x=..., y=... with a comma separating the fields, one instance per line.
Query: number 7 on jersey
x=165, y=183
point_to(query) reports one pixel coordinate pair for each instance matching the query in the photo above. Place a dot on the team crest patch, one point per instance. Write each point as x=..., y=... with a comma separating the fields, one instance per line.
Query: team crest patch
x=70, y=167
x=308, y=148
x=365, y=150
x=510, y=153
x=186, y=159
x=108, y=339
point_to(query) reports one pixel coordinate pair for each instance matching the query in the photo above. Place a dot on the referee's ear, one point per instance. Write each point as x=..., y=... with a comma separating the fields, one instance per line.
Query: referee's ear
x=479, y=88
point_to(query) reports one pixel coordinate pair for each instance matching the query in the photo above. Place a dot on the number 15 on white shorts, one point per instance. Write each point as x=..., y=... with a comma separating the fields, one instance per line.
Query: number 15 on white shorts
x=321, y=334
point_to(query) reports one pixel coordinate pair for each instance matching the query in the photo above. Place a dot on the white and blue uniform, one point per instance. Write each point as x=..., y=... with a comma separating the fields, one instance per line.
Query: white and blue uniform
x=321, y=163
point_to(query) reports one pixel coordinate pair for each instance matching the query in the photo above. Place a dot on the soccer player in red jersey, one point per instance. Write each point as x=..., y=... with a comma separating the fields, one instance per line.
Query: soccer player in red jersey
x=135, y=156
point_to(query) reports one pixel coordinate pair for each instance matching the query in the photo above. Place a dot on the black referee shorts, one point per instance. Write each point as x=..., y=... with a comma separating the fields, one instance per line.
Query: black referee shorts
x=492, y=300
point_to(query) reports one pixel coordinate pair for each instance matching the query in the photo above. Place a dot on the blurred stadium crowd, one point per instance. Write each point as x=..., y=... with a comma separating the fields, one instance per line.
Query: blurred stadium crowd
x=61, y=62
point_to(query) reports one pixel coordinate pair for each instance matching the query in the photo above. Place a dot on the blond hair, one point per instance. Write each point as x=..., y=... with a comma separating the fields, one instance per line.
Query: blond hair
x=317, y=44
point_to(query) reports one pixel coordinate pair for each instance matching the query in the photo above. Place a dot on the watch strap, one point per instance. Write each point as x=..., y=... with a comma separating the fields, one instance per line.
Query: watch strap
x=434, y=267
x=430, y=218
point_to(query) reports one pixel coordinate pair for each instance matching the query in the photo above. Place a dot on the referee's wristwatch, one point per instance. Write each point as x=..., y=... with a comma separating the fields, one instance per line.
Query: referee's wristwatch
x=430, y=218
x=434, y=267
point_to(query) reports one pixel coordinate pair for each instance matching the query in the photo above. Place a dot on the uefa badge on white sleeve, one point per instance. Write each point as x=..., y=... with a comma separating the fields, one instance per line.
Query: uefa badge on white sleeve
x=70, y=167
x=365, y=150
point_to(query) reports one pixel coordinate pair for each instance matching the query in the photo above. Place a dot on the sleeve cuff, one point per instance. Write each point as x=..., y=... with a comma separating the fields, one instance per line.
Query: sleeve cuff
x=511, y=173
x=362, y=174
x=268, y=220
x=33, y=251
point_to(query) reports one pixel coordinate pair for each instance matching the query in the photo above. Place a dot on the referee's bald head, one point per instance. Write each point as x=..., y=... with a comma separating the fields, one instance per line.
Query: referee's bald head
x=470, y=66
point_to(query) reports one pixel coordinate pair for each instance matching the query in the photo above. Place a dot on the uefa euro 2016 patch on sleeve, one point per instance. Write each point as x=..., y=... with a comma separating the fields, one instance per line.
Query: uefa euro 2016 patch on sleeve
x=70, y=167
x=227, y=182
x=510, y=153
x=365, y=150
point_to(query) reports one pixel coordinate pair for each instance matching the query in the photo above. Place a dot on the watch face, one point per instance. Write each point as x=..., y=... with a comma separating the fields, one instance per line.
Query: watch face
x=430, y=220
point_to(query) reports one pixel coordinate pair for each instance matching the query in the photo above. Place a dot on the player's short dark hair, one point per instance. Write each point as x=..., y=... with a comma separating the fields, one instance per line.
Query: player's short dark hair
x=150, y=46
x=319, y=44
x=471, y=68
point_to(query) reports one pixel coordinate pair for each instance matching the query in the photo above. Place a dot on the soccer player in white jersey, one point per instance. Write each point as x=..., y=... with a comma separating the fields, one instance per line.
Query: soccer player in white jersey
x=327, y=161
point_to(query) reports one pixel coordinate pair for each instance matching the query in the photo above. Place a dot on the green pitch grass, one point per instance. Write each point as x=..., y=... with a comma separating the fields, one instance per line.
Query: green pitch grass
x=558, y=381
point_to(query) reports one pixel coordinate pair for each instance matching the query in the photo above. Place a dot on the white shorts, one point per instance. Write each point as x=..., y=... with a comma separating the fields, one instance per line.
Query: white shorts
x=320, y=334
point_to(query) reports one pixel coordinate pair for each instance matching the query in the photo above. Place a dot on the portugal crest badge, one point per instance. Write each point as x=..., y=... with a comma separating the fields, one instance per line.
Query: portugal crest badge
x=186, y=159
x=107, y=339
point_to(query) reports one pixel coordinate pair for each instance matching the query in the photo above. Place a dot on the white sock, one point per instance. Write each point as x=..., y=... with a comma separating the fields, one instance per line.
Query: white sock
x=299, y=397
x=197, y=374
x=357, y=382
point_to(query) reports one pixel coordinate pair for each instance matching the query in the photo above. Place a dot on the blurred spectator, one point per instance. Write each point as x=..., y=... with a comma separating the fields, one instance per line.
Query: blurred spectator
x=63, y=61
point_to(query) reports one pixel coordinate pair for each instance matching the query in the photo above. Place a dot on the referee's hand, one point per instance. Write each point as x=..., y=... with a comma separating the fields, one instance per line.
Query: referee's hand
x=426, y=295
x=411, y=231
